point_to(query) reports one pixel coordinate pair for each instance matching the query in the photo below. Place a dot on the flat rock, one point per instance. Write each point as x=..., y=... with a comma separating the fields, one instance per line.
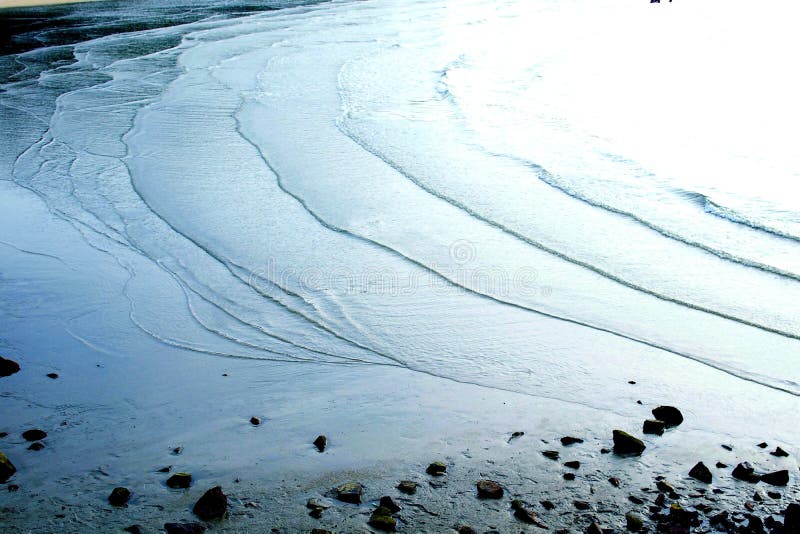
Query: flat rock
x=569, y=440
x=315, y=502
x=409, y=487
x=437, y=469
x=669, y=414
x=777, y=478
x=212, y=505
x=653, y=426
x=489, y=489
x=34, y=434
x=179, y=481
x=119, y=496
x=320, y=443
x=701, y=472
x=7, y=469
x=52, y=375
x=184, y=528
x=515, y=435
x=625, y=443
x=744, y=471
x=553, y=455
x=350, y=492
x=8, y=367
x=382, y=520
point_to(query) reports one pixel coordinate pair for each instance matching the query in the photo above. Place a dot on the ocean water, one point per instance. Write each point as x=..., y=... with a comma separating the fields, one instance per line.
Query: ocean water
x=529, y=195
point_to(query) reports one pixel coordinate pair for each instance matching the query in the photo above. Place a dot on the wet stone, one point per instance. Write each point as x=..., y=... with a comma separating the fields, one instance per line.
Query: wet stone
x=633, y=522
x=744, y=471
x=437, y=469
x=212, y=505
x=179, y=481
x=8, y=367
x=653, y=426
x=34, y=434
x=553, y=455
x=7, y=469
x=777, y=478
x=388, y=503
x=350, y=492
x=37, y=446
x=407, y=486
x=320, y=443
x=489, y=489
x=701, y=472
x=780, y=453
x=184, y=528
x=625, y=444
x=382, y=519
x=569, y=440
x=255, y=421
x=669, y=414
x=119, y=496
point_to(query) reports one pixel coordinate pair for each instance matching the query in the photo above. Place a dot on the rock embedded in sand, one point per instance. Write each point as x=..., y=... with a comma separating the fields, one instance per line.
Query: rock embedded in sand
x=36, y=446
x=633, y=522
x=184, y=528
x=7, y=469
x=553, y=455
x=614, y=481
x=52, y=375
x=777, y=478
x=255, y=421
x=635, y=500
x=701, y=472
x=568, y=476
x=34, y=434
x=320, y=443
x=525, y=515
x=408, y=487
x=466, y=529
x=744, y=471
x=569, y=440
x=489, y=489
x=763, y=445
x=594, y=528
x=388, y=503
x=720, y=465
x=437, y=469
x=179, y=481
x=350, y=492
x=382, y=520
x=780, y=453
x=134, y=529
x=573, y=464
x=624, y=443
x=654, y=426
x=165, y=469
x=212, y=505
x=8, y=367
x=119, y=496
x=515, y=435
x=669, y=414
x=548, y=505
x=582, y=505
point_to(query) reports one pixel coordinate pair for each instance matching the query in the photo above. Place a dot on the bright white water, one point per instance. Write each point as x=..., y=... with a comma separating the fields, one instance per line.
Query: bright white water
x=527, y=195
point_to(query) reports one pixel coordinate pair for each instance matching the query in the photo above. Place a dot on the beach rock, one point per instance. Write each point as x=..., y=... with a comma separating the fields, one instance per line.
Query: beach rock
x=594, y=528
x=665, y=487
x=466, y=529
x=635, y=500
x=184, y=528
x=320, y=531
x=437, y=469
x=614, y=481
x=569, y=440
x=3, y=434
x=582, y=505
x=315, y=502
x=777, y=478
x=350, y=492
x=515, y=435
x=701, y=472
x=624, y=443
x=37, y=446
x=605, y=450
x=661, y=500
x=755, y=525
x=682, y=517
x=52, y=375
x=763, y=445
x=489, y=489
x=633, y=522
x=320, y=443
x=7, y=469
x=525, y=515
x=255, y=421
x=653, y=426
x=408, y=487
x=780, y=453
x=34, y=434
x=12, y=488
x=382, y=520
x=8, y=367
x=720, y=465
x=574, y=464
x=568, y=476
x=119, y=496
x=548, y=505
x=134, y=529
x=179, y=481
x=744, y=471
x=388, y=503
x=669, y=414
x=553, y=455
x=166, y=469
x=727, y=447
x=212, y=505
x=791, y=519
x=177, y=450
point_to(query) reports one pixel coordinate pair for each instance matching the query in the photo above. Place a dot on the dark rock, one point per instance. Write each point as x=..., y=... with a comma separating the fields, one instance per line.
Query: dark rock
x=569, y=440
x=515, y=435
x=255, y=421
x=605, y=450
x=37, y=446
x=177, y=450
x=774, y=495
x=661, y=500
x=635, y=500
x=134, y=529
x=184, y=528
x=762, y=445
x=388, y=503
x=791, y=519
x=316, y=513
x=489, y=489
x=595, y=528
x=7, y=469
x=778, y=478
x=582, y=505
x=744, y=471
x=720, y=465
x=52, y=375
x=553, y=455
x=750, y=505
x=547, y=505
x=624, y=443
x=754, y=524
x=654, y=426
x=165, y=469
x=525, y=515
x=382, y=520
x=8, y=367
x=212, y=505
x=701, y=472
x=727, y=447
x=407, y=486
x=350, y=492
x=179, y=481
x=34, y=434
x=3, y=434
x=320, y=531
x=669, y=414
x=12, y=488
x=466, y=529
x=780, y=453
x=574, y=464
x=614, y=481
x=318, y=503
x=320, y=443
x=757, y=497
x=682, y=517
x=437, y=469
x=119, y=496
x=720, y=519
x=568, y=476
x=633, y=522
x=631, y=382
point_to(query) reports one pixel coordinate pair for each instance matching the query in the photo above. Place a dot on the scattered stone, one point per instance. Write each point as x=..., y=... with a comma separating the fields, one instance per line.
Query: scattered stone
x=134, y=529
x=316, y=513
x=37, y=446
x=654, y=426
x=744, y=471
x=595, y=528
x=727, y=447
x=320, y=531
x=633, y=522
x=350, y=492
x=757, y=497
x=7, y=469
x=569, y=440
x=179, y=481
x=466, y=529
x=635, y=500
x=624, y=443
x=184, y=528
x=774, y=495
x=631, y=382
x=762, y=445
x=582, y=505
x=720, y=465
x=314, y=502
x=605, y=450
x=12, y=488
x=568, y=476
x=780, y=453
x=408, y=487
x=255, y=421
x=750, y=505
x=119, y=496
x=526, y=516
x=388, y=503
x=8, y=367
x=489, y=489
x=437, y=469
x=661, y=500
x=669, y=414
x=52, y=375
x=382, y=520
x=755, y=524
x=553, y=455
x=548, y=505
x=778, y=478
x=177, y=450
x=614, y=481
x=34, y=434
x=791, y=518
x=212, y=505
x=701, y=472
x=3, y=434
x=165, y=469
x=682, y=517
x=722, y=518
x=320, y=443
x=574, y=464
x=515, y=435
